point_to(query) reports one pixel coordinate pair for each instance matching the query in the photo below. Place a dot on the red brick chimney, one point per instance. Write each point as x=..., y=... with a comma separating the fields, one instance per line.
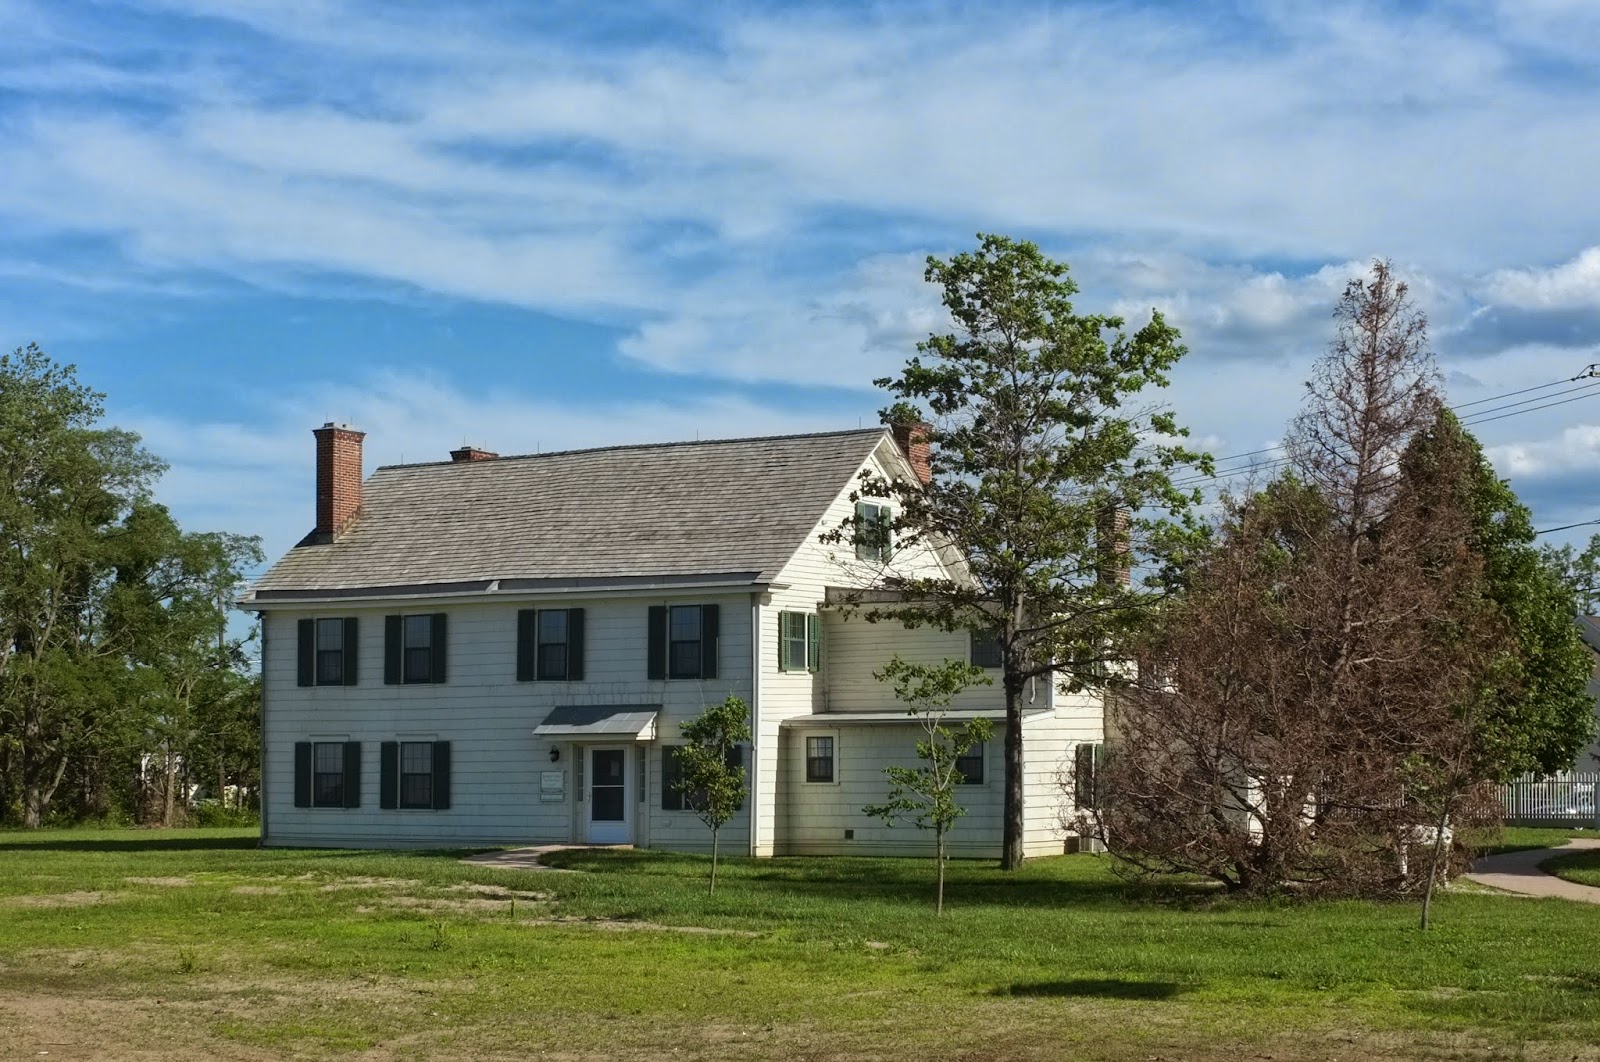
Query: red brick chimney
x=472, y=453
x=1114, y=563
x=913, y=440
x=338, y=478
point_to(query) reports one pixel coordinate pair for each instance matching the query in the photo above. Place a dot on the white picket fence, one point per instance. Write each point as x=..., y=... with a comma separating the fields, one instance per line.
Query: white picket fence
x=1562, y=800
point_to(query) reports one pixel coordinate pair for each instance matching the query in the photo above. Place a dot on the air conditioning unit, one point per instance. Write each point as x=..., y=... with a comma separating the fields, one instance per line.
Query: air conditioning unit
x=1082, y=845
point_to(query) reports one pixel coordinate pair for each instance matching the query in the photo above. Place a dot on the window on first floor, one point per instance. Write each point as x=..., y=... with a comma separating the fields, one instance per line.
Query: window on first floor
x=673, y=797
x=415, y=775
x=969, y=765
x=1087, y=788
x=327, y=774
x=819, y=759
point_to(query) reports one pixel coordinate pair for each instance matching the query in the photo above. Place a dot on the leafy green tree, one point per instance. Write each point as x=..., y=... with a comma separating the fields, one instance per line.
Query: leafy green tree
x=926, y=795
x=1539, y=716
x=67, y=491
x=713, y=780
x=1579, y=570
x=1037, y=458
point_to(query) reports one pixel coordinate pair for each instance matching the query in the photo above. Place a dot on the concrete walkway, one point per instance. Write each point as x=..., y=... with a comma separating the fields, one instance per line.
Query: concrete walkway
x=531, y=858
x=1519, y=872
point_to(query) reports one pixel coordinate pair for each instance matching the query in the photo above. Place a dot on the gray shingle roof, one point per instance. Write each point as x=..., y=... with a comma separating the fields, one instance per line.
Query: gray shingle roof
x=665, y=511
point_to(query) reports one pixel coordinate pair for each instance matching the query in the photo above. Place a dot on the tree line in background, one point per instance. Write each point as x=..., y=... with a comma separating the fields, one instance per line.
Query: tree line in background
x=1312, y=685
x=123, y=692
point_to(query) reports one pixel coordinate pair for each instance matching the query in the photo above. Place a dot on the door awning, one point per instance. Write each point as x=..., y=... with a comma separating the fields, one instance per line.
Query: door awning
x=625, y=722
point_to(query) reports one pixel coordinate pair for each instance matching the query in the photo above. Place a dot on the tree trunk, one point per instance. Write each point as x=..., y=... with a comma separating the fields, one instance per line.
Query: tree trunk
x=1433, y=863
x=1011, y=845
x=938, y=840
x=171, y=785
x=39, y=785
x=713, y=862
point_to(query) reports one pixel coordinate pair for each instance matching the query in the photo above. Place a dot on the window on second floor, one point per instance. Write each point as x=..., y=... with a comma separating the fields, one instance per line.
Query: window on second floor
x=799, y=641
x=327, y=651
x=683, y=641
x=986, y=648
x=414, y=648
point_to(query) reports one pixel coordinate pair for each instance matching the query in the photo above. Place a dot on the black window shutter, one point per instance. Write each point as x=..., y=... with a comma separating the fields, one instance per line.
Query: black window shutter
x=671, y=774
x=527, y=631
x=441, y=646
x=352, y=650
x=656, y=653
x=302, y=774
x=389, y=775
x=441, y=775
x=308, y=652
x=574, y=644
x=813, y=642
x=352, y=774
x=708, y=640
x=393, y=649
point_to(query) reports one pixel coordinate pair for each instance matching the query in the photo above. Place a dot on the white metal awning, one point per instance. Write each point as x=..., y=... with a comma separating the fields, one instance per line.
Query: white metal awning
x=624, y=722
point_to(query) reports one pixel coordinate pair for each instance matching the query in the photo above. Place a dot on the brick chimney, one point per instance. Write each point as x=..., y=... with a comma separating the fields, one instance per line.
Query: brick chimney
x=338, y=478
x=472, y=453
x=1114, y=563
x=913, y=440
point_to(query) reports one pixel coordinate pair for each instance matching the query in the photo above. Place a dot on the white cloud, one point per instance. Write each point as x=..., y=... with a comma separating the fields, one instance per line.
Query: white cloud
x=1574, y=284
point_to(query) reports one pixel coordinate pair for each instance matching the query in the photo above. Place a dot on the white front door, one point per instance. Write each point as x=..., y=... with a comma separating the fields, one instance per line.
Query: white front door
x=610, y=810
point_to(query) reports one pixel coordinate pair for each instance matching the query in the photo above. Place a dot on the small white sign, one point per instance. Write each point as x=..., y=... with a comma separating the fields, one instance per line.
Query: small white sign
x=552, y=787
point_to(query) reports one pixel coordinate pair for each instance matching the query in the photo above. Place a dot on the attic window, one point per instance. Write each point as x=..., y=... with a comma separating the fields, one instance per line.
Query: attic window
x=872, y=532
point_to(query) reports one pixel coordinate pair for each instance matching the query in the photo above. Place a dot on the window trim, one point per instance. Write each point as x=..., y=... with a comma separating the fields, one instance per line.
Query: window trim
x=316, y=790
x=832, y=737
x=400, y=796
x=882, y=517
x=980, y=752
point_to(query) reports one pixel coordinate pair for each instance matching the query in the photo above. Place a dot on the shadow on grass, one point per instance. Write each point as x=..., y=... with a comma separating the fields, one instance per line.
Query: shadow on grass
x=1093, y=988
x=158, y=843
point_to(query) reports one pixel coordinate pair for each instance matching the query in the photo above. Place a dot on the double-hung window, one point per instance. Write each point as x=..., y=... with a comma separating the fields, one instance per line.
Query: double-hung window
x=673, y=797
x=872, y=532
x=550, y=644
x=986, y=648
x=554, y=642
x=327, y=651
x=682, y=641
x=327, y=774
x=819, y=759
x=969, y=765
x=414, y=649
x=799, y=641
x=414, y=774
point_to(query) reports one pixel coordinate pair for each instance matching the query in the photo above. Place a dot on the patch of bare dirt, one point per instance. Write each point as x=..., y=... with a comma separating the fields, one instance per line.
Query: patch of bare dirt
x=370, y=883
x=63, y=899
x=165, y=883
x=623, y=925
x=258, y=890
x=499, y=892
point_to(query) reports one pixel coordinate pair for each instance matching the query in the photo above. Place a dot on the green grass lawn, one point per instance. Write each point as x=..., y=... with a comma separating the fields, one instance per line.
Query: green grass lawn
x=1582, y=867
x=196, y=944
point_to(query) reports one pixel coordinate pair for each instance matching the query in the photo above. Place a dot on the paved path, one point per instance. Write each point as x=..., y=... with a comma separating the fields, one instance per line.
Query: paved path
x=530, y=858
x=1519, y=872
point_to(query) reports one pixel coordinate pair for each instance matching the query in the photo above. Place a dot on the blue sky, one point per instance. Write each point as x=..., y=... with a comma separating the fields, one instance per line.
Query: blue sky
x=532, y=226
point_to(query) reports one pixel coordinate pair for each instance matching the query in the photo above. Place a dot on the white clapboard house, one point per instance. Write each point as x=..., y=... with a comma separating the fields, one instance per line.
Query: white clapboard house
x=500, y=650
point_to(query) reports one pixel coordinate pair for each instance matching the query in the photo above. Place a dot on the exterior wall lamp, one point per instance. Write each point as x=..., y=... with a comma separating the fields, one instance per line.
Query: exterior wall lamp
x=555, y=753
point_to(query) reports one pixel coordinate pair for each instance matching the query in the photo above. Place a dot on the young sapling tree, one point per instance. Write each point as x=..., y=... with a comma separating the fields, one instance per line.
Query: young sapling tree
x=926, y=795
x=712, y=778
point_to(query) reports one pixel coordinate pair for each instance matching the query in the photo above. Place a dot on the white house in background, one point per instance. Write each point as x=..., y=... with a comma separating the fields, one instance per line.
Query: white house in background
x=1589, y=627
x=500, y=650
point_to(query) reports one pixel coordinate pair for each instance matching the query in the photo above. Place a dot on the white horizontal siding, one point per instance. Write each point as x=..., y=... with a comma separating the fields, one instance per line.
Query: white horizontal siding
x=858, y=649
x=488, y=717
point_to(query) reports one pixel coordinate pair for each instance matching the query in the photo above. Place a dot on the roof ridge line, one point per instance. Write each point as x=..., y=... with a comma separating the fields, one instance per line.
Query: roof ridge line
x=639, y=446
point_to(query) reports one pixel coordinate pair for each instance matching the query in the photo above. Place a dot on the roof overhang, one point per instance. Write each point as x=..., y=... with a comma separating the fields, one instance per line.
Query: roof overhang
x=835, y=720
x=492, y=589
x=615, y=722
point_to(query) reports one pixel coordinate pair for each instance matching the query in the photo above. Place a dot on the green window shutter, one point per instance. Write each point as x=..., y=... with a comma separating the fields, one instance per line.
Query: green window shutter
x=308, y=653
x=352, y=649
x=389, y=775
x=441, y=645
x=813, y=642
x=1087, y=758
x=574, y=644
x=863, y=534
x=527, y=631
x=302, y=774
x=441, y=775
x=393, y=649
x=656, y=651
x=709, y=623
x=352, y=774
x=783, y=640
